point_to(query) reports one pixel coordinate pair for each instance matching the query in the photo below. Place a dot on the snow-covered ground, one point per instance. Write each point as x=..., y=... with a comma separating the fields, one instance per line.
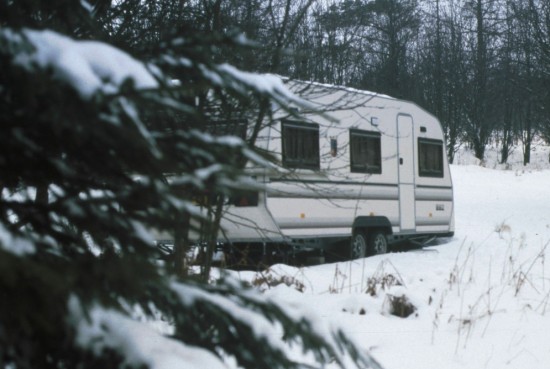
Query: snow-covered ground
x=481, y=299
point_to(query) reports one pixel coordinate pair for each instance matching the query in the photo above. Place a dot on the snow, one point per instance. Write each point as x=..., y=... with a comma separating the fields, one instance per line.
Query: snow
x=270, y=84
x=482, y=298
x=14, y=244
x=261, y=326
x=479, y=300
x=139, y=343
x=87, y=66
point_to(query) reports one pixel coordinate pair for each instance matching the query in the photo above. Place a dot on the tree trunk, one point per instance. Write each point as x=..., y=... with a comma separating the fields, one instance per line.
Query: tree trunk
x=506, y=144
x=479, y=148
x=212, y=237
x=41, y=194
x=527, y=147
x=181, y=246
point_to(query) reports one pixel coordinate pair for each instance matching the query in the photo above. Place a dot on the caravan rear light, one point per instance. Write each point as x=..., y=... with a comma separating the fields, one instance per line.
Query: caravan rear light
x=333, y=147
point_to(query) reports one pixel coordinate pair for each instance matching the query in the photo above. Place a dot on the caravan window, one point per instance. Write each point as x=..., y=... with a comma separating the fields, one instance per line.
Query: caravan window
x=300, y=145
x=365, y=153
x=430, y=158
x=227, y=128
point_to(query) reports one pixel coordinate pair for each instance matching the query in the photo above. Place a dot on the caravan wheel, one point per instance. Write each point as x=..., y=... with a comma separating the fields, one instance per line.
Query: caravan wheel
x=378, y=243
x=358, y=245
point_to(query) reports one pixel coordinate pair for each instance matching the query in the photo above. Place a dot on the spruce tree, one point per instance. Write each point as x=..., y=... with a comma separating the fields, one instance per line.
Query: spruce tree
x=99, y=148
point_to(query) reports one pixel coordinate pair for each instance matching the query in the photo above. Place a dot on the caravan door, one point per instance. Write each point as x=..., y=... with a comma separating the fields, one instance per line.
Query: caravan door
x=405, y=147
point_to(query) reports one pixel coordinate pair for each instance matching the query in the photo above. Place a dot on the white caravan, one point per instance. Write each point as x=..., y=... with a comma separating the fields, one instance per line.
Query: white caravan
x=371, y=171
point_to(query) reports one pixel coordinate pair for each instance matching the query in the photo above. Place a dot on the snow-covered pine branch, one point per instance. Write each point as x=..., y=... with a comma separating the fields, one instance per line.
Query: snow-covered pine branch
x=88, y=133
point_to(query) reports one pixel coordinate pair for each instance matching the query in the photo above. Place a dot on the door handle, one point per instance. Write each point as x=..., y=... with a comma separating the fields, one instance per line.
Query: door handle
x=401, y=161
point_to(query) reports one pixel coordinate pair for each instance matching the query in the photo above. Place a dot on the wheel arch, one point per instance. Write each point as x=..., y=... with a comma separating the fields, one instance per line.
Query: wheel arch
x=366, y=223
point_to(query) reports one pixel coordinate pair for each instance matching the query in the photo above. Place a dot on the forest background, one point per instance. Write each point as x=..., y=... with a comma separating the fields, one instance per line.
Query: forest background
x=481, y=66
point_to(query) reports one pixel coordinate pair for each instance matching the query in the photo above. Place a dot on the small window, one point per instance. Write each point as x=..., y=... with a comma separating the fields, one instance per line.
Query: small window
x=227, y=128
x=430, y=158
x=300, y=145
x=244, y=198
x=365, y=152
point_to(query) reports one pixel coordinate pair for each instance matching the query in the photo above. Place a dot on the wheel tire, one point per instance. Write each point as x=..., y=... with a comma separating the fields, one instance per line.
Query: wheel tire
x=358, y=246
x=377, y=243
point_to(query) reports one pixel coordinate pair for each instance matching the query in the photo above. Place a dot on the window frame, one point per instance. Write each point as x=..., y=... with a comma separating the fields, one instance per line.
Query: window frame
x=429, y=172
x=360, y=134
x=313, y=162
